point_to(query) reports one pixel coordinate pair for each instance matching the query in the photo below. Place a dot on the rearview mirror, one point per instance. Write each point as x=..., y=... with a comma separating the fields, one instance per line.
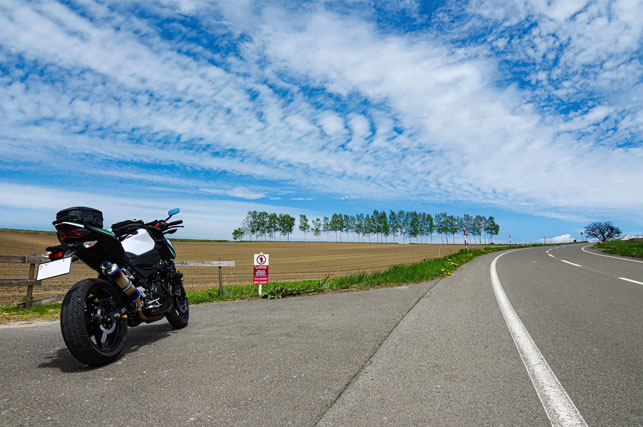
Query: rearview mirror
x=173, y=211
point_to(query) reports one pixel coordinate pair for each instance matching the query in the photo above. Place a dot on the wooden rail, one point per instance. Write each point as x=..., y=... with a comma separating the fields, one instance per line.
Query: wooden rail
x=31, y=281
x=208, y=264
x=33, y=260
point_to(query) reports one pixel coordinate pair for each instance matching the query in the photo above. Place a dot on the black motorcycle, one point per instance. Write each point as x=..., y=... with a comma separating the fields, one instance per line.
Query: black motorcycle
x=137, y=281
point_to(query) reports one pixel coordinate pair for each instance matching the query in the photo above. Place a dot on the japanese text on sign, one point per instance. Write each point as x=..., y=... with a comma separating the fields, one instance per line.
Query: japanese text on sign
x=260, y=276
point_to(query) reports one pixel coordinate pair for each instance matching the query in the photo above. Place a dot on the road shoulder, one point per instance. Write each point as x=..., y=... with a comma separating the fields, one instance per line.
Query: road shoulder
x=450, y=361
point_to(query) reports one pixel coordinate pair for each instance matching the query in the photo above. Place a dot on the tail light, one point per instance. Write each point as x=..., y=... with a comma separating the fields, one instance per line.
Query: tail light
x=55, y=255
x=66, y=231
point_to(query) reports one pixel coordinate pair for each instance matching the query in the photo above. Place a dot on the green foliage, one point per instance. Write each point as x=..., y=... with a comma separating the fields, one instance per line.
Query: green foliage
x=237, y=234
x=622, y=247
x=303, y=224
x=603, y=231
x=378, y=225
x=282, y=291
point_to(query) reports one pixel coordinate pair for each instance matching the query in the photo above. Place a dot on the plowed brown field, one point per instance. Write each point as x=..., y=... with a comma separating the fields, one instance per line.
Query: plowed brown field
x=289, y=261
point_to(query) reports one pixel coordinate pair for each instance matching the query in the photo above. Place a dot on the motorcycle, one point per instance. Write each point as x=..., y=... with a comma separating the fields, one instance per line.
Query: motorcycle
x=137, y=281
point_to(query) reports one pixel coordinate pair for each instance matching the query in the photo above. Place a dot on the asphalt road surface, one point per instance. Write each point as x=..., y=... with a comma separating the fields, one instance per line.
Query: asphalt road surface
x=437, y=353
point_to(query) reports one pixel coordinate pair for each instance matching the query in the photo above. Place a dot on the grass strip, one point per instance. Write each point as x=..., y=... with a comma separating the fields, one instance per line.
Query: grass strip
x=428, y=269
x=11, y=313
x=622, y=247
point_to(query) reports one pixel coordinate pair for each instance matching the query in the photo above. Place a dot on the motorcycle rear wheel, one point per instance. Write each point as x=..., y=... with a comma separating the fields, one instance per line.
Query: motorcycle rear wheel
x=90, y=334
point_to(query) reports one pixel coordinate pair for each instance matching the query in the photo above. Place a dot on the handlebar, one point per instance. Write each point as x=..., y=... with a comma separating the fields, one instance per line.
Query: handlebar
x=123, y=228
x=163, y=226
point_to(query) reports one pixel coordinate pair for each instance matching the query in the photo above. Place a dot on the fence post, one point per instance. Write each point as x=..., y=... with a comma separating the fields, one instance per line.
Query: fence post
x=32, y=276
x=220, y=281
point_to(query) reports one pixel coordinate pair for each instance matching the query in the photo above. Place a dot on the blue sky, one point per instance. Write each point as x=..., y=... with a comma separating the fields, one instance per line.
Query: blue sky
x=530, y=111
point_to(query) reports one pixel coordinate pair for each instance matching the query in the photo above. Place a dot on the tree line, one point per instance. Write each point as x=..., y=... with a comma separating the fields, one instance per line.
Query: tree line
x=377, y=226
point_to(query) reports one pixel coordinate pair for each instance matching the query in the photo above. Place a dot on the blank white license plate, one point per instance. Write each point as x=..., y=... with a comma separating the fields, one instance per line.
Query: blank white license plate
x=54, y=268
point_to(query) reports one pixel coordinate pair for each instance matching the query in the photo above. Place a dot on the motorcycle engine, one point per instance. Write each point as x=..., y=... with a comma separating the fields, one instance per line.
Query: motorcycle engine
x=157, y=288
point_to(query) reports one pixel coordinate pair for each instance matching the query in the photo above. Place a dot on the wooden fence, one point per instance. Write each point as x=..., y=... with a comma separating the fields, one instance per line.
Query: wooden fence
x=34, y=260
x=208, y=264
x=29, y=282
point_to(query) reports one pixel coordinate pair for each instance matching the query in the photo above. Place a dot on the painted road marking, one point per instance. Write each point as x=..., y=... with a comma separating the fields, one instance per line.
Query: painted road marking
x=560, y=409
x=609, y=256
x=551, y=255
x=630, y=280
x=570, y=263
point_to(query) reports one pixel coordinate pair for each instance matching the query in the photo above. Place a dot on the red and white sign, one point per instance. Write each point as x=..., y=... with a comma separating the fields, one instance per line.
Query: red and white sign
x=260, y=276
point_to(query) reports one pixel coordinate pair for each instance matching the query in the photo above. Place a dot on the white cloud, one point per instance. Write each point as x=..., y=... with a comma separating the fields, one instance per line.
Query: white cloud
x=332, y=124
x=564, y=238
x=202, y=218
x=321, y=101
x=237, y=191
x=460, y=113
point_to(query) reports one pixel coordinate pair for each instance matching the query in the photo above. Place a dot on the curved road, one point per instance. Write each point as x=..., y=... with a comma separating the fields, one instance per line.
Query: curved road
x=587, y=322
x=437, y=353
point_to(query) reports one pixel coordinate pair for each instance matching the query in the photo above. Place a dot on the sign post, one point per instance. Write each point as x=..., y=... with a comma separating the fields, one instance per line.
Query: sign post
x=465, y=239
x=260, y=276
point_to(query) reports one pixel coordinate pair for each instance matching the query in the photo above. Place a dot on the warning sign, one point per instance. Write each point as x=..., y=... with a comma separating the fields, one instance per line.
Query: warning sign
x=262, y=259
x=260, y=276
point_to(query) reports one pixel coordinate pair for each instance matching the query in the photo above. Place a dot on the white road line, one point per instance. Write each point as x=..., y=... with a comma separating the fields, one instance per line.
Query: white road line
x=551, y=255
x=610, y=256
x=630, y=280
x=559, y=407
x=570, y=263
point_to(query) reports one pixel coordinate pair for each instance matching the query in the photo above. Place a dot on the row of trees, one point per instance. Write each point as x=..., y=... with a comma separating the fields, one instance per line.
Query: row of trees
x=378, y=226
x=265, y=224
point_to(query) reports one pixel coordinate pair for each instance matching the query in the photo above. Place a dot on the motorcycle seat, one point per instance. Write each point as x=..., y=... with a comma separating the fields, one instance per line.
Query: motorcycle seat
x=126, y=227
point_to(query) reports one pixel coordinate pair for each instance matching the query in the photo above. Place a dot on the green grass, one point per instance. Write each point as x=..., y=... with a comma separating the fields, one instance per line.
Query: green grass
x=622, y=247
x=19, y=230
x=425, y=270
x=11, y=313
x=428, y=269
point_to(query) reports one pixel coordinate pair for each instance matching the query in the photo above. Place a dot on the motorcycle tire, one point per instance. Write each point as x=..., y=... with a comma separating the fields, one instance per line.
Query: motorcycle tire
x=91, y=336
x=179, y=314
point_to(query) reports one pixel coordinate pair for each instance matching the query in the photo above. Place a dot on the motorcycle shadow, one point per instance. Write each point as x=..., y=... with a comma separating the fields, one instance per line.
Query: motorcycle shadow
x=136, y=339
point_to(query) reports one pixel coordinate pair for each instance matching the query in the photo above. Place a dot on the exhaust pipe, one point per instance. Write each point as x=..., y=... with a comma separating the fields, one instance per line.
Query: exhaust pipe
x=128, y=288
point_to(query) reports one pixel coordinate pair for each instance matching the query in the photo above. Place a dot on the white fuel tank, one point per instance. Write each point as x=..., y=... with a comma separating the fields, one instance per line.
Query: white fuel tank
x=138, y=243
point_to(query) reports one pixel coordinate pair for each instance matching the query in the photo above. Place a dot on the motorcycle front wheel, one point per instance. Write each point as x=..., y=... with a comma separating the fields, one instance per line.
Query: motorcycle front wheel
x=179, y=314
x=90, y=333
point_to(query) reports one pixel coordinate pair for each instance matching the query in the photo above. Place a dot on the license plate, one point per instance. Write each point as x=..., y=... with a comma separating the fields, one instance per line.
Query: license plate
x=51, y=269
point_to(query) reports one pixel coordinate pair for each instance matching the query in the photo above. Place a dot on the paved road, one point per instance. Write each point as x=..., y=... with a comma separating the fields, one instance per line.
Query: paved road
x=587, y=323
x=437, y=353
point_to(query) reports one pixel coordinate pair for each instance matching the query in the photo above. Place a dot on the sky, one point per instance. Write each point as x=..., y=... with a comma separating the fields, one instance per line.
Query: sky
x=526, y=110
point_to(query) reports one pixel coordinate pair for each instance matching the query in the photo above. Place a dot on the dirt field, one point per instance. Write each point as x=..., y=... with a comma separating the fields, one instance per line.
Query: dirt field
x=289, y=261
